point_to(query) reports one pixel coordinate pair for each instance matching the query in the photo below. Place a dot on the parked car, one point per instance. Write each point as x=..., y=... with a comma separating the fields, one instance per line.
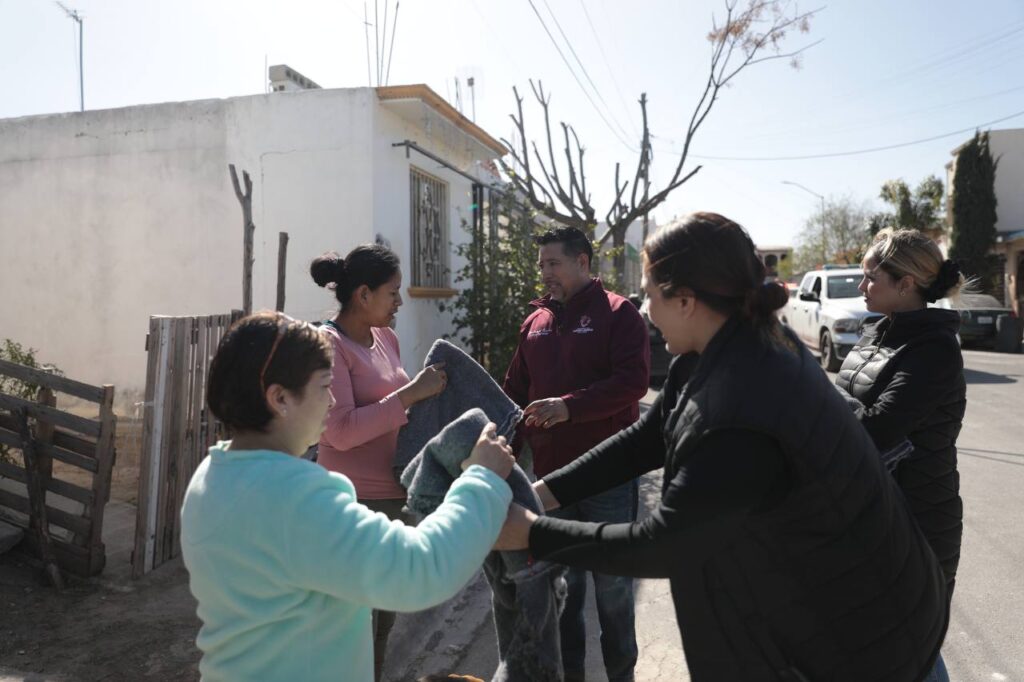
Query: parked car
x=978, y=315
x=828, y=313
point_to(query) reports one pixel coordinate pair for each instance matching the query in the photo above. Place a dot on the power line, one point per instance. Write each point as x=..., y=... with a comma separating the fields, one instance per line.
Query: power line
x=856, y=152
x=597, y=91
x=604, y=57
x=953, y=58
x=577, y=79
x=868, y=123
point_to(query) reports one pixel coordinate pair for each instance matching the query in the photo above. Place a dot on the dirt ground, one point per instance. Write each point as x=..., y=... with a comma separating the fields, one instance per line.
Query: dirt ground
x=106, y=628
x=96, y=630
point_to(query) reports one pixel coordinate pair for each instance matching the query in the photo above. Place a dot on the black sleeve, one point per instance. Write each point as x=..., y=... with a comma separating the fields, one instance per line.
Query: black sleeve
x=628, y=454
x=732, y=474
x=921, y=381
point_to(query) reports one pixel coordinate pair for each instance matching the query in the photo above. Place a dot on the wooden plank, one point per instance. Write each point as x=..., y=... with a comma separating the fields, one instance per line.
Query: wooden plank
x=209, y=421
x=190, y=441
x=54, y=485
x=38, y=523
x=70, y=457
x=155, y=347
x=105, y=455
x=10, y=438
x=159, y=477
x=44, y=436
x=75, y=443
x=173, y=442
x=45, y=379
x=56, y=517
x=183, y=455
x=71, y=558
x=89, y=427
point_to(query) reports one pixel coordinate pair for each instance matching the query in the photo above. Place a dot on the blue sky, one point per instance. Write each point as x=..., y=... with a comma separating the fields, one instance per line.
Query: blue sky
x=885, y=73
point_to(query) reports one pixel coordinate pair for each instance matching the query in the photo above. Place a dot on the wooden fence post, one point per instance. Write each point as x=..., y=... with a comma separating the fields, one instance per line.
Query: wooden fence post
x=37, y=501
x=245, y=199
x=282, y=259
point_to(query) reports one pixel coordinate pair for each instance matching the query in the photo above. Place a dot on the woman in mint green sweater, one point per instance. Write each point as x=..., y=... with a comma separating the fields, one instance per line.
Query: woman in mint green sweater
x=286, y=565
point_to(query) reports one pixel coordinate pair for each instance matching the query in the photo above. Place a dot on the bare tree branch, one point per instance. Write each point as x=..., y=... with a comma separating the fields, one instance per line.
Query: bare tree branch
x=748, y=35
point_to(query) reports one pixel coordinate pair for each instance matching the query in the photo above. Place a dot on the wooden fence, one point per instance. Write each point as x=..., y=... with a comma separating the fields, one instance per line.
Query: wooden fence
x=30, y=496
x=177, y=429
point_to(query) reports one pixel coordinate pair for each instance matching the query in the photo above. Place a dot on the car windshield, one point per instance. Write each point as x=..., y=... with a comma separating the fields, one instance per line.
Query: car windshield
x=844, y=286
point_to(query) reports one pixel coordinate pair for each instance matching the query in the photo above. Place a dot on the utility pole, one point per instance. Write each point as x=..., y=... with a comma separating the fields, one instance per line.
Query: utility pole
x=73, y=13
x=472, y=94
x=646, y=154
x=824, y=243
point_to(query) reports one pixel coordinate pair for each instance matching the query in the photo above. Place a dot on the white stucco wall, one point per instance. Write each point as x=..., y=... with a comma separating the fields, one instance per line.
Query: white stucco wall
x=419, y=321
x=1008, y=147
x=108, y=217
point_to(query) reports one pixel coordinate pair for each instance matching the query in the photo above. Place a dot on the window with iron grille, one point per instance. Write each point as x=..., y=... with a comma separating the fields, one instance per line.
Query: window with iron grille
x=428, y=203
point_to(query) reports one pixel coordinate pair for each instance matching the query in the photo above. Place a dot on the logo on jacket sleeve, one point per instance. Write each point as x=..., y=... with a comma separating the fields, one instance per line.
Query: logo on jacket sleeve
x=584, y=327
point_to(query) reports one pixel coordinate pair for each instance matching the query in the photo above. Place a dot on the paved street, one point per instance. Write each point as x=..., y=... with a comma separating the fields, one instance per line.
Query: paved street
x=984, y=641
x=986, y=633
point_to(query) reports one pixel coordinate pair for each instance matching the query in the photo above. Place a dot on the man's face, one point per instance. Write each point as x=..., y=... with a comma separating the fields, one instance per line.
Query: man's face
x=561, y=274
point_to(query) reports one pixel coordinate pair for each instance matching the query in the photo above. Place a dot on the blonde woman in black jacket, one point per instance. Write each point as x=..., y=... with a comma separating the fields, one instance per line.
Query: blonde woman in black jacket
x=906, y=374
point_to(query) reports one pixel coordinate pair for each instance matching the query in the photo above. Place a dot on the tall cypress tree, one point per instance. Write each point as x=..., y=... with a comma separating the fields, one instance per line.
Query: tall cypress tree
x=974, y=210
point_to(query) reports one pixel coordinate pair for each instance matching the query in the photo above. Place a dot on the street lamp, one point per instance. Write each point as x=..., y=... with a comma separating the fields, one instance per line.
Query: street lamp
x=824, y=257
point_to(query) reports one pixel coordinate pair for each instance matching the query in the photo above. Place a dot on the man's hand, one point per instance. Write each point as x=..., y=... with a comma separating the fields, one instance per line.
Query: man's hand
x=546, y=413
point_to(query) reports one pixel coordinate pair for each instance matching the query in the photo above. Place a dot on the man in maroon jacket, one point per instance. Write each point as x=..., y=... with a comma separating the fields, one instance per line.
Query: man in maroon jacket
x=582, y=365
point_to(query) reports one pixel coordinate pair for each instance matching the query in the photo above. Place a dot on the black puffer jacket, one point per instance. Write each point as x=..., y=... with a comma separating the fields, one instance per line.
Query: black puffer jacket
x=791, y=553
x=907, y=372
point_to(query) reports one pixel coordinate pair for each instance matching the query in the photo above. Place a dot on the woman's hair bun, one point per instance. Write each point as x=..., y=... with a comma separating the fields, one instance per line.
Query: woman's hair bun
x=764, y=300
x=948, y=278
x=327, y=269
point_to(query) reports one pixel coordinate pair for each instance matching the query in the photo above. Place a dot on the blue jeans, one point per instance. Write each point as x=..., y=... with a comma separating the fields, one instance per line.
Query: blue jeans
x=938, y=673
x=614, y=594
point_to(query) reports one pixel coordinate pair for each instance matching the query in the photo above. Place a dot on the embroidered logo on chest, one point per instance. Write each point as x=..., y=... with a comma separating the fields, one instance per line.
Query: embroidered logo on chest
x=584, y=327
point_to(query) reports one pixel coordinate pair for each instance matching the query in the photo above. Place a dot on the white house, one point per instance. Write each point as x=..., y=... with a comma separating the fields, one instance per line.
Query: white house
x=108, y=217
x=1007, y=146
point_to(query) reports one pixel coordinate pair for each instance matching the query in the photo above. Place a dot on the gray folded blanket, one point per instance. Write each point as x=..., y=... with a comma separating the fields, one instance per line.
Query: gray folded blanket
x=469, y=385
x=527, y=597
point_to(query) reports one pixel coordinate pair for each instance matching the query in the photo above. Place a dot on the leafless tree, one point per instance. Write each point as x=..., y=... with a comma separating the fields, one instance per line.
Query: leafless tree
x=747, y=36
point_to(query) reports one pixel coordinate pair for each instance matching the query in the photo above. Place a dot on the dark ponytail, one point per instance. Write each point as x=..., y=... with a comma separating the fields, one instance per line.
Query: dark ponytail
x=715, y=259
x=369, y=264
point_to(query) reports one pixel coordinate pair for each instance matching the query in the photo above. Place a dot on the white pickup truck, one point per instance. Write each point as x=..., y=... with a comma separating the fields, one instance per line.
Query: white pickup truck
x=828, y=313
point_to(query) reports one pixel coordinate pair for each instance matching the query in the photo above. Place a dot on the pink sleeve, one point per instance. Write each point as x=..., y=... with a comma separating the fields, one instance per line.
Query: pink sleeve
x=349, y=426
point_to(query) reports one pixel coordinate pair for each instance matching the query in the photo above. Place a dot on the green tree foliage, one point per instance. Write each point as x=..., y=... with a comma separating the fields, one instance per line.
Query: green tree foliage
x=841, y=234
x=974, y=211
x=501, y=264
x=919, y=210
x=15, y=352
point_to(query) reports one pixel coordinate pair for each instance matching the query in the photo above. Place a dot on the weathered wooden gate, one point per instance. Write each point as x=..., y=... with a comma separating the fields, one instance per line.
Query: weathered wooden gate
x=69, y=514
x=177, y=428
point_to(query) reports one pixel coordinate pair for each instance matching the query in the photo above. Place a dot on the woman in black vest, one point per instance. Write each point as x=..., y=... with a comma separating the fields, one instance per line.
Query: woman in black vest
x=789, y=549
x=906, y=374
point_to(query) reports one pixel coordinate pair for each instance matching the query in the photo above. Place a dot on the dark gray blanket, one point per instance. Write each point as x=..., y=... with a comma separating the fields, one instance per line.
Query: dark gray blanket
x=527, y=598
x=469, y=385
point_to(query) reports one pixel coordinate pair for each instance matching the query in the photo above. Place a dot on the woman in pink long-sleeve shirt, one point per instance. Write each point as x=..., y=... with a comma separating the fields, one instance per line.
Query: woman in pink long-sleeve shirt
x=371, y=390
